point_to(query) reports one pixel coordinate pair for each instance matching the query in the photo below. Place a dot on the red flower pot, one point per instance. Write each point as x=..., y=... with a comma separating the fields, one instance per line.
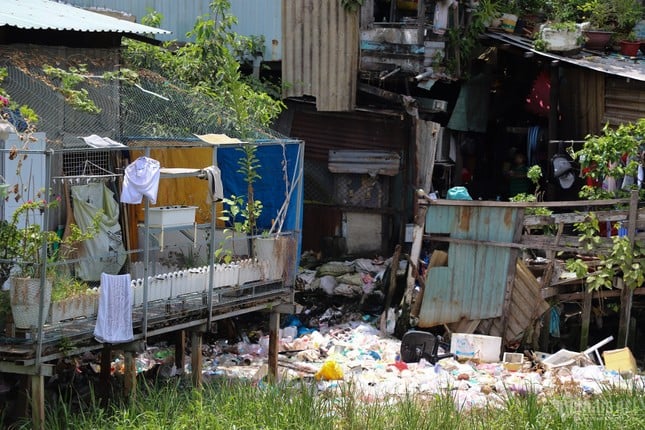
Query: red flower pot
x=628, y=48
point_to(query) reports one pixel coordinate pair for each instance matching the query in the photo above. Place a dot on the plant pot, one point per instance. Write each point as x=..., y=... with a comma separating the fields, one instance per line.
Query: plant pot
x=562, y=41
x=597, y=40
x=84, y=305
x=25, y=300
x=629, y=48
x=277, y=256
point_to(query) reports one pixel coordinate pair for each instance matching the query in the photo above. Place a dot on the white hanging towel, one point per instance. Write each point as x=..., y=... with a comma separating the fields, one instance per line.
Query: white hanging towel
x=215, y=187
x=114, y=319
x=141, y=178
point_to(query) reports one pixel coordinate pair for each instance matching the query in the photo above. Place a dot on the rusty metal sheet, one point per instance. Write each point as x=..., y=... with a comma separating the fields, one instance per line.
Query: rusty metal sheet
x=473, y=285
x=364, y=162
x=320, y=52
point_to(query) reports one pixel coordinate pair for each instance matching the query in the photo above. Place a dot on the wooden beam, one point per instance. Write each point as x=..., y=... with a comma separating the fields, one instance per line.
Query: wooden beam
x=38, y=401
x=129, y=375
x=604, y=294
x=274, y=330
x=196, y=357
x=180, y=344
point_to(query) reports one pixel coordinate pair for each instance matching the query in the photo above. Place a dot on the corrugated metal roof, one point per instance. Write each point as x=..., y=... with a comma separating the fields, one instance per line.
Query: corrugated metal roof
x=50, y=15
x=617, y=65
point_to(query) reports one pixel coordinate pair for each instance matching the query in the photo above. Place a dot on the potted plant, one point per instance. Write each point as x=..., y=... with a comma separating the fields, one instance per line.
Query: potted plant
x=599, y=14
x=71, y=298
x=36, y=247
x=561, y=33
x=629, y=44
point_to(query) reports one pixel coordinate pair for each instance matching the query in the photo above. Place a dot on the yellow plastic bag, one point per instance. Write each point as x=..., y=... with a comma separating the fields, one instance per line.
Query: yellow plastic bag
x=330, y=371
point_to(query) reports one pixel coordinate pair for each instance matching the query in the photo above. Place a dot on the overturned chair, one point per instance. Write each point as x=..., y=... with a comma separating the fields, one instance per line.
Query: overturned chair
x=417, y=344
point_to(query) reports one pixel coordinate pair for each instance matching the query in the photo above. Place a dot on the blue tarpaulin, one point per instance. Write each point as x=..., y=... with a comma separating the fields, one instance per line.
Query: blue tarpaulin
x=270, y=189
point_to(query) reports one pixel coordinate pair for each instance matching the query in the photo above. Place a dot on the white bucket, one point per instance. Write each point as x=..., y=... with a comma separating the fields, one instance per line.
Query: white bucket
x=476, y=346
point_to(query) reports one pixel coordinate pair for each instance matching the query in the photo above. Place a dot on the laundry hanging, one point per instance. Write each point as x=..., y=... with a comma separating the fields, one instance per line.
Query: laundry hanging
x=215, y=187
x=141, y=178
x=107, y=244
x=114, y=319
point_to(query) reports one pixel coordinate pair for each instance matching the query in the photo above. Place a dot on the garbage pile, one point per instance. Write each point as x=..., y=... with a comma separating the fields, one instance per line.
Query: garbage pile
x=357, y=353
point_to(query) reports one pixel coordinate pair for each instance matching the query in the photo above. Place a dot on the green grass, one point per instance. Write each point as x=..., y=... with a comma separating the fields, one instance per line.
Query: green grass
x=240, y=405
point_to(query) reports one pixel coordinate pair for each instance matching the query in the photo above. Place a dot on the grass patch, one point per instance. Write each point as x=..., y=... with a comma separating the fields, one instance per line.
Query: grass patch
x=241, y=405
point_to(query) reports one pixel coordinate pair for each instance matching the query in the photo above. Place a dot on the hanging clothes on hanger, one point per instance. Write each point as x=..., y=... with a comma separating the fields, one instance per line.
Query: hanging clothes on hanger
x=141, y=178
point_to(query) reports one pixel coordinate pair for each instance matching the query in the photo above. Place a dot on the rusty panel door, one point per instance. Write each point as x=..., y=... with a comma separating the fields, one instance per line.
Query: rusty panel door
x=473, y=285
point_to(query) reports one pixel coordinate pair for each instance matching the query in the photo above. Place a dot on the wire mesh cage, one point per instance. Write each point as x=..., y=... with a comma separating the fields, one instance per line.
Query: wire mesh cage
x=147, y=105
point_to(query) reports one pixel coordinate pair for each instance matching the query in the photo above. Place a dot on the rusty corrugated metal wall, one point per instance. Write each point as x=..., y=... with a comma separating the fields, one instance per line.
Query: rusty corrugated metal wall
x=320, y=52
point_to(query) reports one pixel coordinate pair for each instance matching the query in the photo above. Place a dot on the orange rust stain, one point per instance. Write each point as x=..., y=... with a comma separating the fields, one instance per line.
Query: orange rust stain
x=508, y=217
x=464, y=218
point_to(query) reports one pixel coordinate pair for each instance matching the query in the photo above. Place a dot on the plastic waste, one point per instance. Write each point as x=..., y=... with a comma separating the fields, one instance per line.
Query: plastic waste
x=330, y=371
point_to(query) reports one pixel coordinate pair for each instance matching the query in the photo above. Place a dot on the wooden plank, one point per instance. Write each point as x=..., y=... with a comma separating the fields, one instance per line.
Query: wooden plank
x=551, y=204
x=391, y=288
x=573, y=217
x=586, y=316
x=604, y=294
x=437, y=259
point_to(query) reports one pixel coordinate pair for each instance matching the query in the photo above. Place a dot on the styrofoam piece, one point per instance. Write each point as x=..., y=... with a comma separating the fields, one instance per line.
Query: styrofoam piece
x=476, y=346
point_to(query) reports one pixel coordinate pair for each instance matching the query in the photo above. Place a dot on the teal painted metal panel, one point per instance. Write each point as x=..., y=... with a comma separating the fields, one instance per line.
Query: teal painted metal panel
x=473, y=285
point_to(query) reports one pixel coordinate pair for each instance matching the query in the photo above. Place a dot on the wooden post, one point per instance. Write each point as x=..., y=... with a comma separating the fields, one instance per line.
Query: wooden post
x=626, y=294
x=196, y=357
x=38, y=401
x=129, y=375
x=274, y=330
x=554, y=97
x=421, y=22
x=106, y=372
x=180, y=344
x=586, y=317
x=394, y=265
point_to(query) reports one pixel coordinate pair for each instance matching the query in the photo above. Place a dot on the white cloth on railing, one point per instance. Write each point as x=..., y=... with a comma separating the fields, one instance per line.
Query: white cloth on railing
x=114, y=320
x=215, y=187
x=141, y=178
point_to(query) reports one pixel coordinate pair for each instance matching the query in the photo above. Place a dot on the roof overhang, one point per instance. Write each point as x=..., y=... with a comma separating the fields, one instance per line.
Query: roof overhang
x=51, y=15
x=614, y=64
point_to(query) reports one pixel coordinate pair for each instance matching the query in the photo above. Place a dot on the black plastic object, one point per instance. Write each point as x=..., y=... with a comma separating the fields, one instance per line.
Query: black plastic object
x=417, y=344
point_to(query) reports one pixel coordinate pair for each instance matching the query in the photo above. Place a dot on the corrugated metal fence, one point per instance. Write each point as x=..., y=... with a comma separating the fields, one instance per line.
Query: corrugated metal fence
x=320, y=52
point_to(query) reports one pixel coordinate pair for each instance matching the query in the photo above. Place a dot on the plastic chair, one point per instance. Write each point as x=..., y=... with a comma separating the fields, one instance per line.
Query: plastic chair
x=417, y=344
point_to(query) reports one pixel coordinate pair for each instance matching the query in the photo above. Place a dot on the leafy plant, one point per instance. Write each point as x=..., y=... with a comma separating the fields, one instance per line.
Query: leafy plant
x=540, y=44
x=467, y=38
x=613, y=154
x=598, y=13
x=210, y=66
x=37, y=247
x=65, y=286
x=623, y=257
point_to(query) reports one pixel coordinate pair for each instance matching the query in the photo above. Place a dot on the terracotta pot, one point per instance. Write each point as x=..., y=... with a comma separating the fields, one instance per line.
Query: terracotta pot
x=597, y=40
x=628, y=48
